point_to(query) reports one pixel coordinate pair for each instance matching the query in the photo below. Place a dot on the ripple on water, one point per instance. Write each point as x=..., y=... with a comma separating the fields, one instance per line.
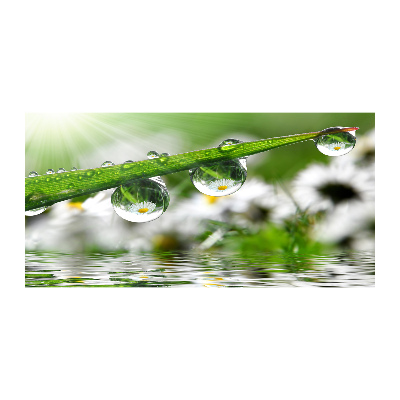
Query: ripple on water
x=200, y=270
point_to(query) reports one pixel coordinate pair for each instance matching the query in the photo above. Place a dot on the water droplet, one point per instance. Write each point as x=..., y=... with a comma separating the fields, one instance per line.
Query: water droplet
x=35, y=211
x=220, y=179
x=165, y=155
x=127, y=162
x=141, y=200
x=50, y=171
x=228, y=142
x=61, y=170
x=152, y=154
x=74, y=169
x=224, y=145
x=336, y=144
x=107, y=164
x=32, y=174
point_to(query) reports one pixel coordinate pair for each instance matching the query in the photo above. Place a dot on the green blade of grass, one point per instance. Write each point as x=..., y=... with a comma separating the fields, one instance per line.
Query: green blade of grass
x=46, y=190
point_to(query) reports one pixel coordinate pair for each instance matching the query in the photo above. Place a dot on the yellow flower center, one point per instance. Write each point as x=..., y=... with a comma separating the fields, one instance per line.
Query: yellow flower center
x=222, y=187
x=143, y=210
x=336, y=148
x=211, y=199
x=75, y=204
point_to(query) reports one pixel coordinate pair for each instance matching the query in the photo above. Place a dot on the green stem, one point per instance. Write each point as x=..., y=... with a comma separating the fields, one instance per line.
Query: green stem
x=46, y=190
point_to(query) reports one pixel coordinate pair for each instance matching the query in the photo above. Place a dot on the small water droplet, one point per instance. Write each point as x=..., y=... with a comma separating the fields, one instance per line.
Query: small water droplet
x=32, y=174
x=152, y=154
x=74, y=169
x=60, y=170
x=50, y=171
x=228, y=142
x=107, y=164
x=220, y=179
x=127, y=162
x=165, y=155
x=35, y=211
x=142, y=200
x=336, y=144
x=225, y=145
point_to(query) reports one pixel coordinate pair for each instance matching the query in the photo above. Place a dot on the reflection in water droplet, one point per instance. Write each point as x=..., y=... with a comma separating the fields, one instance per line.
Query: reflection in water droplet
x=141, y=200
x=107, y=164
x=228, y=142
x=32, y=174
x=152, y=154
x=336, y=144
x=220, y=179
x=74, y=169
x=50, y=171
x=61, y=170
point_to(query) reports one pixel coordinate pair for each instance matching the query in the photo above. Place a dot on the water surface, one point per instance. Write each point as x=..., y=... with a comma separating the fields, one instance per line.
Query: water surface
x=191, y=269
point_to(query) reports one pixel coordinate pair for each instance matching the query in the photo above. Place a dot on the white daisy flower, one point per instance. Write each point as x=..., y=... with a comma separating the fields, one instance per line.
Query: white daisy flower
x=144, y=207
x=346, y=222
x=322, y=187
x=335, y=146
x=72, y=226
x=220, y=185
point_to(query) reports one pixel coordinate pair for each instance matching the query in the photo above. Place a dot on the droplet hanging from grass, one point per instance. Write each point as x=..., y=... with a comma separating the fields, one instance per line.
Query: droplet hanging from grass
x=35, y=211
x=142, y=200
x=220, y=179
x=337, y=143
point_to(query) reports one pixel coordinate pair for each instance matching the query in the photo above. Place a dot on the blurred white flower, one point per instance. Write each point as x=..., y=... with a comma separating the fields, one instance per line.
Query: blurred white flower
x=364, y=151
x=322, y=187
x=350, y=222
x=74, y=226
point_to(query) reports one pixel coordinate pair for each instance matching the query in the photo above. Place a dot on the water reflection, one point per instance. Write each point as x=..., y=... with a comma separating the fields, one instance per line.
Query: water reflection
x=200, y=270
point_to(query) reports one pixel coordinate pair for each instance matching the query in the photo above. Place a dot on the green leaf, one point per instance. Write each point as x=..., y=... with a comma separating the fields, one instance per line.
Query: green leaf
x=46, y=190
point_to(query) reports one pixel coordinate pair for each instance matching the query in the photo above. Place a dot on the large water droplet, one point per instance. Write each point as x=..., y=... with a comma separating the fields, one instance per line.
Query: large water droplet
x=107, y=164
x=220, y=179
x=142, y=200
x=61, y=170
x=152, y=154
x=336, y=144
x=50, y=171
